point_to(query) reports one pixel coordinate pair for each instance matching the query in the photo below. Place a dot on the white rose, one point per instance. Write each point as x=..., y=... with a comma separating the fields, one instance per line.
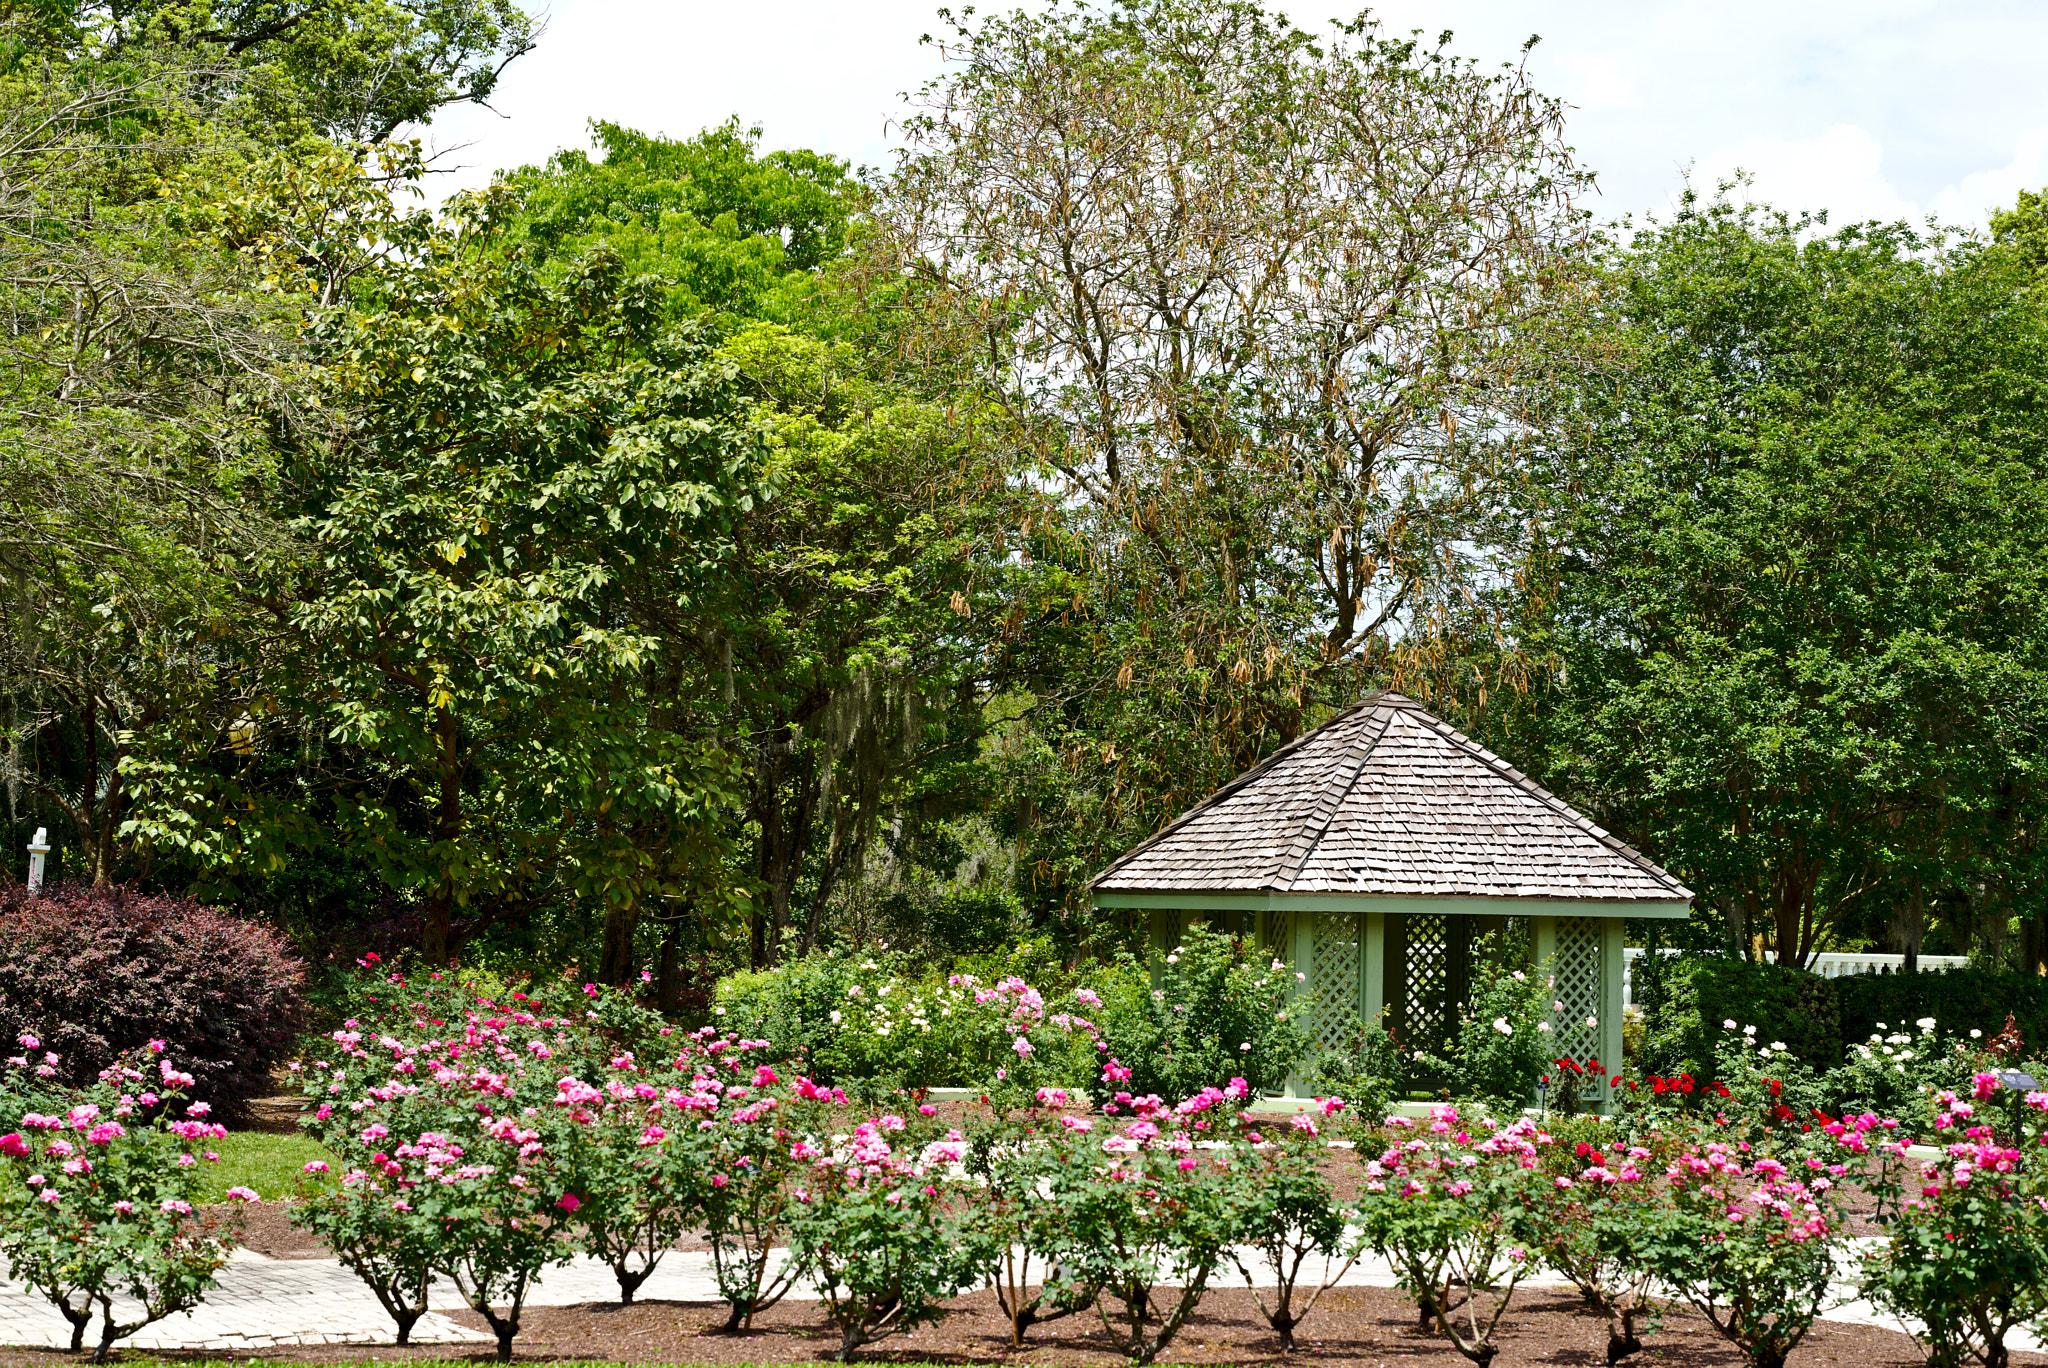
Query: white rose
x=1501, y=1024
x=1925, y=1023
x=1729, y=1024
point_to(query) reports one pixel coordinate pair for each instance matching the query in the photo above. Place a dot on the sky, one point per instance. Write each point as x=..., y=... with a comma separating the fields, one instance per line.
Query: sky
x=1882, y=109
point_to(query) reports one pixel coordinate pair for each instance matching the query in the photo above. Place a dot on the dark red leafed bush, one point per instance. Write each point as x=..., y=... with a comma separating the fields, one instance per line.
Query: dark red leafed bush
x=96, y=973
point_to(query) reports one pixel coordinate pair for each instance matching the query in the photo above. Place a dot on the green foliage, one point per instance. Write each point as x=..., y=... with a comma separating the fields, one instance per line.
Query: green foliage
x=1211, y=1010
x=351, y=70
x=540, y=475
x=1967, y=1258
x=1699, y=992
x=1371, y=1073
x=876, y=1023
x=1896, y=1074
x=1793, y=499
x=1503, y=1043
x=1961, y=1000
x=729, y=231
x=2023, y=229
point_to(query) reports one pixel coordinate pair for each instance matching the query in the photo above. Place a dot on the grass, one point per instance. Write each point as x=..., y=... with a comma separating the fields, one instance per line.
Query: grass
x=270, y=1164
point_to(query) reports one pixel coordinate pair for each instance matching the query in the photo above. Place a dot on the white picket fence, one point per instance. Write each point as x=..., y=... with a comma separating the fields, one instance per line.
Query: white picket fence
x=1827, y=965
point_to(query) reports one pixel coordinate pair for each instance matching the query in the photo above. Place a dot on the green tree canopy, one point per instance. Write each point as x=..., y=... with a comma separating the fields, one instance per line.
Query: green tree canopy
x=1795, y=499
x=350, y=70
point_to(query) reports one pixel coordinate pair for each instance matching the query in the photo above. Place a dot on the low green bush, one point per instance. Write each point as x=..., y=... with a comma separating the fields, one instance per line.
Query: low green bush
x=877, y=1022
x=1962, y=1000
x=1218, y=1009
x=1693, y=995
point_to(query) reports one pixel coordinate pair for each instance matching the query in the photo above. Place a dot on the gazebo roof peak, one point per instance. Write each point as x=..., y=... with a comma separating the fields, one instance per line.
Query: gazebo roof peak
x=1387, y=800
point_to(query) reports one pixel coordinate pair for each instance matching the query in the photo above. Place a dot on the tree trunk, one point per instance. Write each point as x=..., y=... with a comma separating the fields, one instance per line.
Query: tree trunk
x=1910, y=925
x=668, y=988
x=440, y=911
x=615, y=959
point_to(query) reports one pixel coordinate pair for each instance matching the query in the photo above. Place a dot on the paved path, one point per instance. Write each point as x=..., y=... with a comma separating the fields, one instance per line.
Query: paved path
x=260, y=1302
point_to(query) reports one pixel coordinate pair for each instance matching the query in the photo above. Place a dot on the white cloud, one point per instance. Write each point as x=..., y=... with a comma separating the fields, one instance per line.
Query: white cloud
x=1972, y=199
x=1598, y=81
x=1840, y=171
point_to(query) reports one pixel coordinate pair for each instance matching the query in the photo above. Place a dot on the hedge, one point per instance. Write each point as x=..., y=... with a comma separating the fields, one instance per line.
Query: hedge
x=1690, y=997
x=96, y=973
x=1961, y=1000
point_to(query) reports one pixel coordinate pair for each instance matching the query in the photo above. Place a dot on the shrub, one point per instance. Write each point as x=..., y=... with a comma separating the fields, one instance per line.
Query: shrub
x=1600, y=1196
x=1146, y=1217
x=1968, y=1254
x=1290, y=1214
x=1371, y=1073
x=1962, y=1000
x=467, y=1129
x=876, y=1023
x=97, y=1186
x=1015, y=1228
x=1217, y=1011
x=96, y=974
x=867, y=1225
x=1697, y=993
x=1503, y=1043
x=1450, y=1212
x=1895, y=1074
x=1749, y=1240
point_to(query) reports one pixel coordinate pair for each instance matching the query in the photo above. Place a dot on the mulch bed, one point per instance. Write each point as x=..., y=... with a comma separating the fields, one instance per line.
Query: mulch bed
x=1369, y=1326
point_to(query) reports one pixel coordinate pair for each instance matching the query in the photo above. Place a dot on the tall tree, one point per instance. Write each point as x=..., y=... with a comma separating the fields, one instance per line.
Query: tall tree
x=1241, y=295
x=350, y=70
x=834, y=664
x=151, y=389
x=532, y=462
x=1796, y=507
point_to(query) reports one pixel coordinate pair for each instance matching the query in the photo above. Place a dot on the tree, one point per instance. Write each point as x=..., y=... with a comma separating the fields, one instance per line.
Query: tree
x=1793, y=510
x=151, y=390
x=355, y=71
x=834, y=665
x=530, y=465
x=1240, y=297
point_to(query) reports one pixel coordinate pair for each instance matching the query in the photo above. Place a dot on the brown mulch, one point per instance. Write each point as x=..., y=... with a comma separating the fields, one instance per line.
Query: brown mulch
x=1367, y=1326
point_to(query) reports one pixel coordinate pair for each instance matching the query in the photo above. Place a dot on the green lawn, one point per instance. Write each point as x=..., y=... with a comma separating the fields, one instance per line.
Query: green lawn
x=271, y=1164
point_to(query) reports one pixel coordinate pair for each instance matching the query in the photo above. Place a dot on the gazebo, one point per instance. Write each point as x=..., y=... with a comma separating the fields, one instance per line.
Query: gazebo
x=1374, y=851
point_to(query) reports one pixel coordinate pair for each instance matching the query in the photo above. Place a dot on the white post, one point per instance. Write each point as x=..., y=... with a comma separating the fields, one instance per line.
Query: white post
x=37, y=849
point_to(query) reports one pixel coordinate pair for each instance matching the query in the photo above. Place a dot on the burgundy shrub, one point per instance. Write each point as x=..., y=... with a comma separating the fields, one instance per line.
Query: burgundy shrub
x=94, y=973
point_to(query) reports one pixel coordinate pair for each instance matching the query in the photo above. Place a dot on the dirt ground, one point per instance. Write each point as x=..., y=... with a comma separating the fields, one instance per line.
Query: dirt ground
x=1370, y=1327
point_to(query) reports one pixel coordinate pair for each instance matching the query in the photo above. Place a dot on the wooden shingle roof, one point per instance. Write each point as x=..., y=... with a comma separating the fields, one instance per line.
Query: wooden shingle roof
x=1385, y=799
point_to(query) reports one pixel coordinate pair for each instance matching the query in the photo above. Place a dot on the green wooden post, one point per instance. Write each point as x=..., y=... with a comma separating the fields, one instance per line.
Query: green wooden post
x=1372, y=967
x=1613, y=935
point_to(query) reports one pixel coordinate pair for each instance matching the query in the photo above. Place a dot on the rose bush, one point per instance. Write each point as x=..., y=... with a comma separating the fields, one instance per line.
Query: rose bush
x=1750, y=1239
x=869, y=1224
x=1146, y=1217
x=1451, y=1211
x=1967, y=1262
x=98, y=1190
x=1289, y=1215
x=1601, y=1194
x=1219, y=1010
